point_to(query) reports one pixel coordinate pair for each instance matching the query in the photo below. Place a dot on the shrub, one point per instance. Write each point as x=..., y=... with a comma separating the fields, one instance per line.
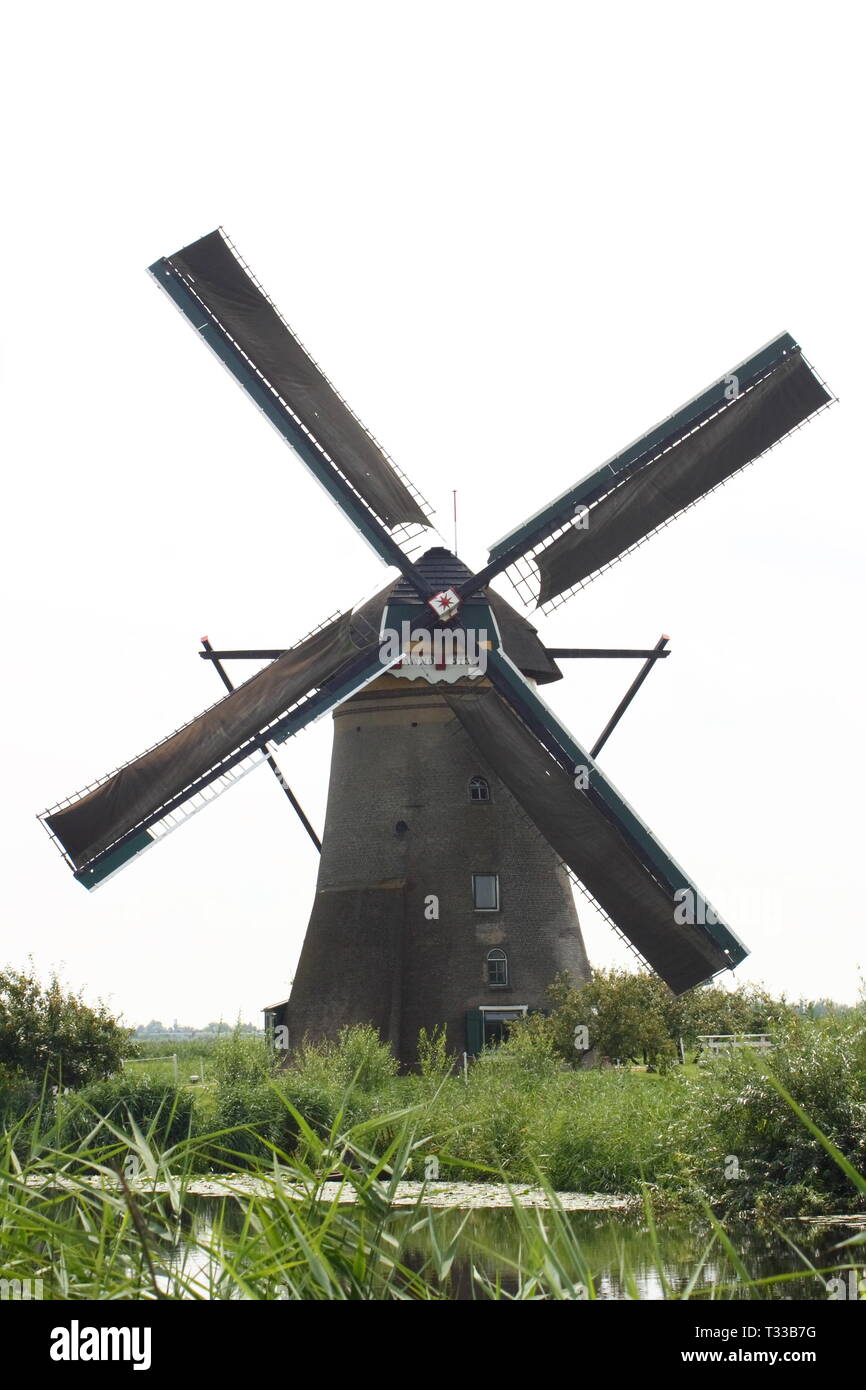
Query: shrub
x=634, y=1016
x=18, y=1093
x=163, y=1112
x=624, y=1013
x=735, y=1112
x=47, y=1032
x=258, y=1118
x=357, y=1064
x=434, y=1059
x=240, y=1058
x=352, y=1076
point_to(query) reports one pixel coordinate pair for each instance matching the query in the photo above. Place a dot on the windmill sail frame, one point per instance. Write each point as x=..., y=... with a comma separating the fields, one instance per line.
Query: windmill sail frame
x=520, y=552
x=278, y=411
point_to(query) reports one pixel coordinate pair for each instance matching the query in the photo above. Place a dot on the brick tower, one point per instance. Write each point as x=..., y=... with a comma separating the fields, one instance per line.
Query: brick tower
x=437, y=901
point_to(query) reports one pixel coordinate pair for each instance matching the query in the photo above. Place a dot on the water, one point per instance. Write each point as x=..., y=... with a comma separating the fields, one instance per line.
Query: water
x=621, y=1255
x=625, y=1258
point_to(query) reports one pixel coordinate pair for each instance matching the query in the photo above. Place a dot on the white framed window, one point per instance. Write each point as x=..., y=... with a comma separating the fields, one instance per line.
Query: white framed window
x=485, y=892
x=495, y=1022
x=479, y=789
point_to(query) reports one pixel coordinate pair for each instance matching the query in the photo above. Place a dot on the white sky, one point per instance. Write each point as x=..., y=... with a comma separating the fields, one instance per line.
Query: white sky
x=515, y=237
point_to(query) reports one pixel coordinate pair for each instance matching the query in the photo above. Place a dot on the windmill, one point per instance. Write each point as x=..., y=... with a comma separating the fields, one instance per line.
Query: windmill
x=459, y=806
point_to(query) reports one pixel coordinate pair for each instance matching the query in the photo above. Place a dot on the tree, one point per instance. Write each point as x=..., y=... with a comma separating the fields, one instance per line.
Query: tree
x=623, y=1015
x=47, y=1032
x=748, y=1009
x=632, y=1016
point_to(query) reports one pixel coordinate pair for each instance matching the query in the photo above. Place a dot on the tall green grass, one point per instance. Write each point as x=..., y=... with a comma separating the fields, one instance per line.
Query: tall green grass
x=77, y=1218
x=521, y=1113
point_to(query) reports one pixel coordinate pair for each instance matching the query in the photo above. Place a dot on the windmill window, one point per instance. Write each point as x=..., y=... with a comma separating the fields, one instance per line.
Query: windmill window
x=485, y=892
x=479, y=789
x=497, y=968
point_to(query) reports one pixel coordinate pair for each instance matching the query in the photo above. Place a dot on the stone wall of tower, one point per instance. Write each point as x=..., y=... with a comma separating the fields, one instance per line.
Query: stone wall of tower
x=400, y=828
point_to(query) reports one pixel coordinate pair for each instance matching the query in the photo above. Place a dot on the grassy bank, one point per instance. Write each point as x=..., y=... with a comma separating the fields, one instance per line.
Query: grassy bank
x=77, y=1220
x=725, y=1131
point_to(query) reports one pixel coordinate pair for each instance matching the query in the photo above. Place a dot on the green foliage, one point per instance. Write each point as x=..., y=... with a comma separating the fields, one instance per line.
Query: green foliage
x=748, y=1009
x=160, y=1109
x=357, y=1071
x=521, y=1112
x=351, y=1077
x=632, y=1016
x=240, y=1059
x=624, y=1013
x=185, y=1049
x=524, y=1112
x=530, y=1046
x=251, y=1120
x=735, y=1110
x=88, y=1237
x=47, y=1033
x=434, y=1059
x=362, y=1060
x=18, y=1093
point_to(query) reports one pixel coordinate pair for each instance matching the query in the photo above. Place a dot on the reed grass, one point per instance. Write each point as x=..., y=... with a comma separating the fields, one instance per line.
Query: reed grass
x=110, y=1215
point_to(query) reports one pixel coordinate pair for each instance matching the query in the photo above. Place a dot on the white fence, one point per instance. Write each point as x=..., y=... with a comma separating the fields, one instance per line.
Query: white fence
x=717, y=1043
x=172, y=1057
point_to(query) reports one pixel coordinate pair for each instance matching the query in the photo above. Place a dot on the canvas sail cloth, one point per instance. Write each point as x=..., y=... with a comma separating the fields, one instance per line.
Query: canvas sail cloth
x=222, y=284
x=99, y=818
x=689, y=469
x=588, y=842
x=138, y=790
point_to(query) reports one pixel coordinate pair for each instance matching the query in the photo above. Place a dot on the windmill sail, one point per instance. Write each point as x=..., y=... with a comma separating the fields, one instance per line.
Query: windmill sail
x=111, y=821
x=647, y=896
x=232, y=302
x=676, y=463
x=682, y=474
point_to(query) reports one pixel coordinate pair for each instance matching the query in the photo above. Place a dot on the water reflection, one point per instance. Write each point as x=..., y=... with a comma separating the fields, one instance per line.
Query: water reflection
x=619, y=1255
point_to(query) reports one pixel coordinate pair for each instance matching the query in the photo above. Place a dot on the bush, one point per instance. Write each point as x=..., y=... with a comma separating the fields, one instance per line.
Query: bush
x=624, y=1013
x=163, y=1112
x=633, y=1016
x=434, y=1059
x=362, y=1061
x=356, y=1068
x=258, y=1118
x=355, y=1076
x=240, y=1058
x=521, y=1112
x=18, y=1093
x=736, y=1113
x=48, y=1033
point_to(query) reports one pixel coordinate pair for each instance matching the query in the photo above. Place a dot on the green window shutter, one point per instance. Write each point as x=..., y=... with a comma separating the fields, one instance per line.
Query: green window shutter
x=474, y=1031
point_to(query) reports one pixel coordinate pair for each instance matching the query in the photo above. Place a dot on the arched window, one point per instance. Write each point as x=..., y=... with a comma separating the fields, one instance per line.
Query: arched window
x=497, y=968
x=478, y=789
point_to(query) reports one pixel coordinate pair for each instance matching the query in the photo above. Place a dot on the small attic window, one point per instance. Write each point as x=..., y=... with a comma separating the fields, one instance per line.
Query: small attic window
x=479, y=789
